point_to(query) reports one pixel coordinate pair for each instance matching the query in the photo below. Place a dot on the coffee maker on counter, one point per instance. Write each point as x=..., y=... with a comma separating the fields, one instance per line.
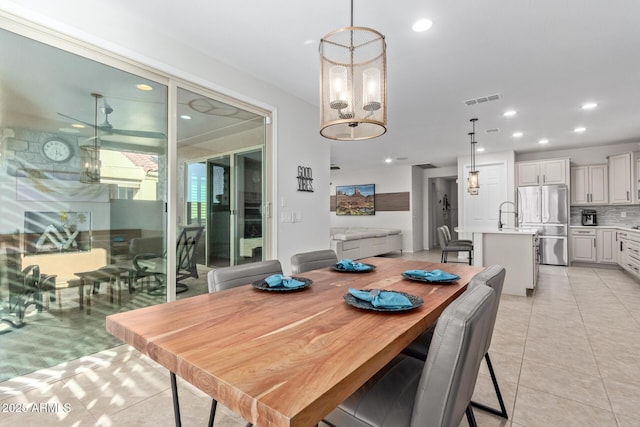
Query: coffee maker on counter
x=589, y=217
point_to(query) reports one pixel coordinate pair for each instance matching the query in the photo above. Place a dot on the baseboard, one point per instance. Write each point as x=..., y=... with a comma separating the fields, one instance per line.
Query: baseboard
x=595, y=265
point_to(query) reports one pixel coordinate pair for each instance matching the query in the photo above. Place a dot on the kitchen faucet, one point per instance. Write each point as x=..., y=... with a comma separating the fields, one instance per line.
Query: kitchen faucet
x=514, y=212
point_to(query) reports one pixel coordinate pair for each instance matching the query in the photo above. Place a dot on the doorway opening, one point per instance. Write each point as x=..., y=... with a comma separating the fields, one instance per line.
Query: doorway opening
x=443, y=206
x=225, y=195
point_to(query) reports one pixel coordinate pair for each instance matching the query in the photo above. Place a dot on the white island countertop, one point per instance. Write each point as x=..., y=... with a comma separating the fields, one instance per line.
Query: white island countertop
x=505, y=230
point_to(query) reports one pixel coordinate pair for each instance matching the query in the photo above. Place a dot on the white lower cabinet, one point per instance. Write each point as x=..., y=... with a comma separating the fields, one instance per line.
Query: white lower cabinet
x=583, y=245
x=629, y=254
x=606, y=246
x=622, y=238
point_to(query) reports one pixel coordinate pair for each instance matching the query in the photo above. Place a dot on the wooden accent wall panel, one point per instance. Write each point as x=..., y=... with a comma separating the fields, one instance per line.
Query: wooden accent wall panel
x=385, y=202
x=392, y=201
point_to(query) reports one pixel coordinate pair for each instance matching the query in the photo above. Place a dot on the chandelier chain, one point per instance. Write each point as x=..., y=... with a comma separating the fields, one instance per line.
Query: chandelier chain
x=352, y=13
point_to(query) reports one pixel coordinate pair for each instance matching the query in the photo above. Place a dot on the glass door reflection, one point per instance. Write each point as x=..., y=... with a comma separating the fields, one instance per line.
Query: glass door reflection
x=235, y=220
x=219, y=216
x=221, y=149
x=248, y=208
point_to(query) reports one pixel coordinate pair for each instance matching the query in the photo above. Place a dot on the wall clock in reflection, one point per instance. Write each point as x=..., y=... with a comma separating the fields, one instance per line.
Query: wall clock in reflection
x=57, y=150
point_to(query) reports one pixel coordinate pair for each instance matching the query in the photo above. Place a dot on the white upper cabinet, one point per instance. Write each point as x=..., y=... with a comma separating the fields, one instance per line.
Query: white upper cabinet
x=528, y=173
x=589, y=185
x=554, y=172
x=542, y=172
x=620, y=179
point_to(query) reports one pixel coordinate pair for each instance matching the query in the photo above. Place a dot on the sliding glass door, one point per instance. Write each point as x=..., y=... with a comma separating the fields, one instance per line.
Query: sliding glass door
x=196, y=203
x=248, y=219
x=106, y=176
x=80, y=231
x=222, y=151
x=226, y=196
x=220, y=212
x=235, y=210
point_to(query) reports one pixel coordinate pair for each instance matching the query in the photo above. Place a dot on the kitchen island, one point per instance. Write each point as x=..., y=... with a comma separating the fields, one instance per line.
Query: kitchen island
x=514, y=248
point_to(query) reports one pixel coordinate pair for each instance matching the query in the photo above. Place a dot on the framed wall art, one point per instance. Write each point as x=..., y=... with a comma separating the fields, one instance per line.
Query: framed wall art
x=356, y=199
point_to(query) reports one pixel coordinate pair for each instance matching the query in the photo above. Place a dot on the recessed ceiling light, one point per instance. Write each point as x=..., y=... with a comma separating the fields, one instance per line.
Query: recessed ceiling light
x=388, y=160
x=308, y=42
x=543, y=141
x=143, y=86
x=510, y=113
x=589, y=105
x=77, y=126
x=517, y=134
x=479, y=150
x=422, y=25
x=580, y=129
x=185, y=117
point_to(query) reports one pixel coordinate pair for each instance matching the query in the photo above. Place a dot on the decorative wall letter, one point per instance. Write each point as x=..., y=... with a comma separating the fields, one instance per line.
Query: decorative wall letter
x=305, y=179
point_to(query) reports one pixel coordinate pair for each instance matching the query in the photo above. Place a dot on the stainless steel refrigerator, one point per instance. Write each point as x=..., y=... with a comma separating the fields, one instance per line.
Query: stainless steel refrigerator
x=547, y=207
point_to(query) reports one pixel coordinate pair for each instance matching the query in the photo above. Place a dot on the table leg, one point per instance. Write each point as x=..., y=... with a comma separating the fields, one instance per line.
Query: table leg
x=89, y=293
x=119, y=289
x=115, y=281
x=81, y=293
x=176, y=404
x=130, y=278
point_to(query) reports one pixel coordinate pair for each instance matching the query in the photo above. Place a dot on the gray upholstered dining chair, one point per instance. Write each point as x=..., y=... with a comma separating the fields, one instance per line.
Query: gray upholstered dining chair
x=447, y=234
x=308, y=261
x=409, y=392
x=243, y=274
x=492, y=276
x=451, y=247
x=238, y=275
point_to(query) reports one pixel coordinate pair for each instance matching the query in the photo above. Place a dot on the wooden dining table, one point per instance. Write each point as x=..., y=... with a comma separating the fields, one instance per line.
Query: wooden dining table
x=282, y=359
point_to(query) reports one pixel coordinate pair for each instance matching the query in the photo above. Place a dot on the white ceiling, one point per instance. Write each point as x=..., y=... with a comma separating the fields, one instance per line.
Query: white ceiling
x=545, y=58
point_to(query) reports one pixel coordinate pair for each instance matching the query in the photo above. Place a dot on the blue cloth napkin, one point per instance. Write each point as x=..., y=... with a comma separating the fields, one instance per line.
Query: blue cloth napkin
x=277, y=280
x=433, y=275
x=347, y=264
x=382, y=299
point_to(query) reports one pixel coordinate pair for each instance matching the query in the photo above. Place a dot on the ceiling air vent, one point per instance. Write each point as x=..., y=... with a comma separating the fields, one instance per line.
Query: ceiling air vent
x=482, y=99
x=494, y=130
x=426, y=166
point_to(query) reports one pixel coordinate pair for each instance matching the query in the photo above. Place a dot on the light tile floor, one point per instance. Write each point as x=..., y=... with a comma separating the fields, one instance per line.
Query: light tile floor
x=567, y=355
x=64, y=332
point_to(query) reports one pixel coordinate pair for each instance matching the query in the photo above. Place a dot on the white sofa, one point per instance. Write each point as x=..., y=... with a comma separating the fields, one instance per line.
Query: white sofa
x=363, y=242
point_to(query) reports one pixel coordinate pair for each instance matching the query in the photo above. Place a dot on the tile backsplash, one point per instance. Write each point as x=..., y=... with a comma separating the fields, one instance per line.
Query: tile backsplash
x=608, y=215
